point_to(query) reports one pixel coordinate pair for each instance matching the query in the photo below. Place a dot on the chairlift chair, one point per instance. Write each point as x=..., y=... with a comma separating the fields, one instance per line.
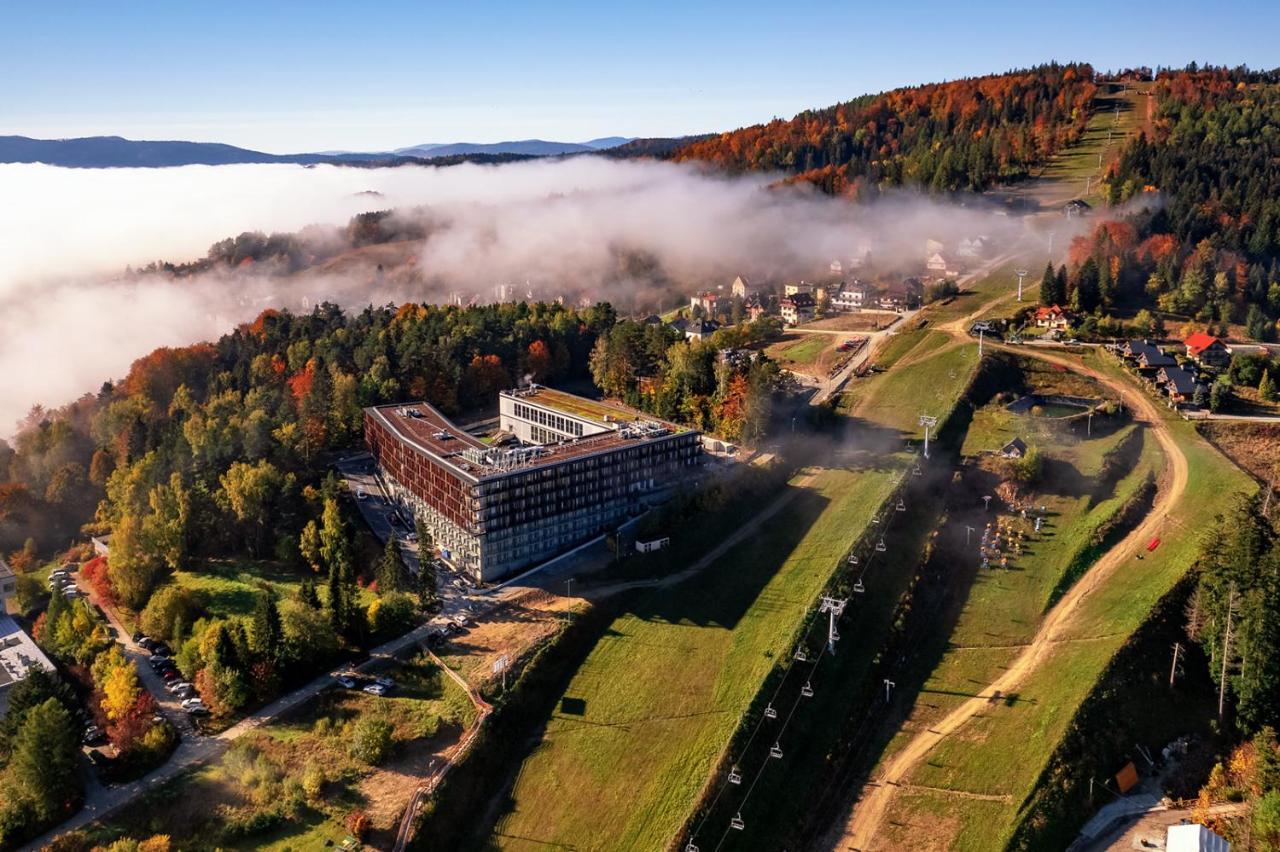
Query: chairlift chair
x=735, y=777
x=689, y=847
x=806, y=690
x=776, y=751
x=858, y=587
x=915, y=471
x=737, y=822
x=880, y=548
x=800, y=655
x=853, y=560
x=769, y=712
x=902, y=507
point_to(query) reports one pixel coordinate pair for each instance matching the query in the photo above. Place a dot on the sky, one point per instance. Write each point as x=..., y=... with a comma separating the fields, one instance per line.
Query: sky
x=308, y=76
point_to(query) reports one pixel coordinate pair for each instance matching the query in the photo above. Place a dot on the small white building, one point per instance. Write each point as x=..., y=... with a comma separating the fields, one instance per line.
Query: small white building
x=1191, y=837
x=796, y=289
x=849, y=299
x=652, y=545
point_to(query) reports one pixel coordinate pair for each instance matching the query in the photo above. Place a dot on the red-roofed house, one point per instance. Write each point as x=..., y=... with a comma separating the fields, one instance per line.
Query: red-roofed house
x=1207, y=350
x=1053, y=316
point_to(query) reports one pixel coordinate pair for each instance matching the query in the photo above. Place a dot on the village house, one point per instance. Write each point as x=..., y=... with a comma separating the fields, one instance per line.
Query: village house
x=755, y=309
x=796, y=308
x=1053, y=316
x=699, y=329
x=706, y=301
x=902, y=296
x=1207, y=350
x=1177, y=383
x=796, y=289
x=850, y=298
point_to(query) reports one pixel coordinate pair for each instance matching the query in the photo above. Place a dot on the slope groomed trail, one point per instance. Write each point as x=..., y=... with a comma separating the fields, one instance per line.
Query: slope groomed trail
x=861, y=829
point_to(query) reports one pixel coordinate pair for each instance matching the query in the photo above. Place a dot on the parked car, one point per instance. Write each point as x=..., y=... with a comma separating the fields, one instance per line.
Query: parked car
x=146, y=643
x=171, y=675
x=346, y=682
x=93, y=735
x=60, y=574
x=185, y=692
x=385, y=681
x=197, y=710
x=138, y=636
x=179, y=685
x=72, y=593
x=162, y=649
x=188, y=703
x=376, y=689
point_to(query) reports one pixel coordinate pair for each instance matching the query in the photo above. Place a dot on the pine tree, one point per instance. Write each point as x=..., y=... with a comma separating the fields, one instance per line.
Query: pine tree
x=266, y=632
x=428, y=594
x=337, y=602
x=42, y=771
x=389, y=567
x=1266, y=387
x=307, y=594
x=1049, y=287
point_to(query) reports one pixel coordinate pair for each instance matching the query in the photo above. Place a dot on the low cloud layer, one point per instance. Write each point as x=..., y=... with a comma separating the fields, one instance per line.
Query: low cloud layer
x=69, y=318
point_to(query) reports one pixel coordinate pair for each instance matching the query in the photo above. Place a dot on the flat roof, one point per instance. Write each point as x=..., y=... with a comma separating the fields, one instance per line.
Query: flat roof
x=18, y=653
x=597, y=411
x=422, y=426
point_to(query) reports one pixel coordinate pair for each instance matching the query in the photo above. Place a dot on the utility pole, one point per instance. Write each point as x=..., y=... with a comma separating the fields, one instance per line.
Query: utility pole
x=888, y=687
x=980, y=332
x=834, y=608
x=1173, y=669
x=928, y=423
x=1226, y=651
x=968, y=531
x=1021, y=273
x=986, y=503
x=568, y=587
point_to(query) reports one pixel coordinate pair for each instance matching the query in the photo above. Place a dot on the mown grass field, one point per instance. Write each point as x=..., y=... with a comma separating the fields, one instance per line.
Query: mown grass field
x=807, y=353
x=999, y=755
x=643, y=721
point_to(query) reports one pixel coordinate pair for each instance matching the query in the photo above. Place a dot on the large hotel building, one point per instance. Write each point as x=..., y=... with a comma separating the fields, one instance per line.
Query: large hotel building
x=576, y=468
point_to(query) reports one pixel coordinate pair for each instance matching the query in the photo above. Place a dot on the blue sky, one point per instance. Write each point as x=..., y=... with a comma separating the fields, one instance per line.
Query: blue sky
x=295, y=76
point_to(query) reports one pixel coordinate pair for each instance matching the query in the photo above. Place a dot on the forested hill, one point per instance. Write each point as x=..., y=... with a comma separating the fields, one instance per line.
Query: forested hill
x=964, y=135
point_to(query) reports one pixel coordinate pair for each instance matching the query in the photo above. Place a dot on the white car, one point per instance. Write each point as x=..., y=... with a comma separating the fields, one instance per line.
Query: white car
x=346, y=682
x=376, y=689
x=179, y=685
x=192, y=702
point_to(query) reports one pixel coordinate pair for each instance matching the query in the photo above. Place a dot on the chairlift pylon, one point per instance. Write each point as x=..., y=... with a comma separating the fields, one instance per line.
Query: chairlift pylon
x=737, y=822
x=769, y=712
x=806, y=690
x=735, y=777
x=776, y=751
x=880, y=548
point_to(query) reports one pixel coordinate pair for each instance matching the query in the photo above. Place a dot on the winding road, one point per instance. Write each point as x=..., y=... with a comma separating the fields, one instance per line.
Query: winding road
x=861, y=829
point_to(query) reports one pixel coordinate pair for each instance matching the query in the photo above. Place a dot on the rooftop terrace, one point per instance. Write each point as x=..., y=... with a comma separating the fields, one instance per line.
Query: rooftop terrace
x=597, y=411
x=422, y=426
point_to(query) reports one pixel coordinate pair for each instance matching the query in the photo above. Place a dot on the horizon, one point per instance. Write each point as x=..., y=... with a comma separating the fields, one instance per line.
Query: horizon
x=413, y=76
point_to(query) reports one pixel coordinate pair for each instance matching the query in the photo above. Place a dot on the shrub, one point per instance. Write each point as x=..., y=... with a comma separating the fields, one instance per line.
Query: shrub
x=371, y=740
x=170, y=606
x=357, y=823
x=313, y=781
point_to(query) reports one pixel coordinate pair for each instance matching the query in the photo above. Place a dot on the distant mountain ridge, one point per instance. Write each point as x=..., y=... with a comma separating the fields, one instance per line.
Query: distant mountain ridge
x=118, y=152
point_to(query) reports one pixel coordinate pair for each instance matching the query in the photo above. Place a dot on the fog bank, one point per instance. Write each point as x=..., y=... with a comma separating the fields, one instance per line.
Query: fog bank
x=70, y=318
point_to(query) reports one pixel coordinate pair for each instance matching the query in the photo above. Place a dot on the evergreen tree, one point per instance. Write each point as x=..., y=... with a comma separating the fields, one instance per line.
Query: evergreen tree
x=307, y=594
x=264, y=636
x=389, y=567
x=427, y=580
x=1049, y=287
x=42, y=771
x=1266, y=387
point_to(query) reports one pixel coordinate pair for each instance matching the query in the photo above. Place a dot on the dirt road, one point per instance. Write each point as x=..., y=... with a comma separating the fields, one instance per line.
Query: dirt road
x=860, y=831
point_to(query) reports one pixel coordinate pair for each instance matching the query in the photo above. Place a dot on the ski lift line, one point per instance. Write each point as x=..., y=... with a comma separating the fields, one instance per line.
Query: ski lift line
x=760, y=772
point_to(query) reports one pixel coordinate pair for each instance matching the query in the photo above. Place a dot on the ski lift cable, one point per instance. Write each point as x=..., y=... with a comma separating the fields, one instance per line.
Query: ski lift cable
x=760, y=772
